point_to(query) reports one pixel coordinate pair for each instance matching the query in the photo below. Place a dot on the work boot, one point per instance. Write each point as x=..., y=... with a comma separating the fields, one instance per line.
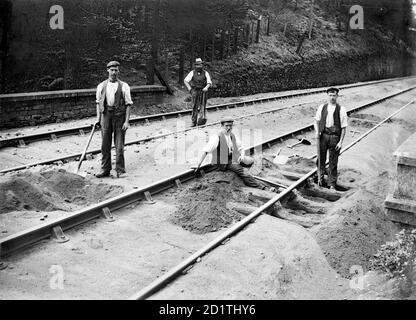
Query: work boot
x=120, y=173
x=102, y=174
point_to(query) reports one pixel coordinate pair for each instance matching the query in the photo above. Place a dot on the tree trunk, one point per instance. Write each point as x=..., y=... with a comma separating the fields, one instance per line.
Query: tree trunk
x=6, y=17
x=181, y=65
x=191, y=49
x=204, y=49
x=213, y=47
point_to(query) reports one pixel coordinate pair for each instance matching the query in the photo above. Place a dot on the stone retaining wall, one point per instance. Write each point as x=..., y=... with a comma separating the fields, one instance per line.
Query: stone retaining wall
x=29, y=109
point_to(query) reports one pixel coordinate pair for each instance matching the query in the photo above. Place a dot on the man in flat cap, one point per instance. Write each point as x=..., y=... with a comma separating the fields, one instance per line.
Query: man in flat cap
x=113, y=113
x=330, y=127
x=198, y=81
x=228, y=154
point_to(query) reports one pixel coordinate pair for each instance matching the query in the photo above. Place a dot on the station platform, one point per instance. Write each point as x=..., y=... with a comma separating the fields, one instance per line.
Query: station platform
x=401, y=204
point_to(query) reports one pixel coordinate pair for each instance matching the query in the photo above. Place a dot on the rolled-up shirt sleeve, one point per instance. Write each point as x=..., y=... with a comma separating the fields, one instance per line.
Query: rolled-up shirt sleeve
x=318, y=113
x=212, y=144
x=127, y=95
x=208, y=78
x=188, y=78
x=344, y=117
x=98, y=93
x=238, y=143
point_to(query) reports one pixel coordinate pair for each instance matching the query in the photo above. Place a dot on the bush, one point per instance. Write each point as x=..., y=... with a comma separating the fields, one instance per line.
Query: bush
x=397, y=258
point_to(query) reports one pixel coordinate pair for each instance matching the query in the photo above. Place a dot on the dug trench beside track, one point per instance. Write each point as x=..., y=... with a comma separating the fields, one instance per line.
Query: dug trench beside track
x=55, y=228
x=181, y=269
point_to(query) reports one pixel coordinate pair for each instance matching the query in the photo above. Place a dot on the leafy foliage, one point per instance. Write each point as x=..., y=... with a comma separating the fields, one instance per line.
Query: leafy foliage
x=397, y=258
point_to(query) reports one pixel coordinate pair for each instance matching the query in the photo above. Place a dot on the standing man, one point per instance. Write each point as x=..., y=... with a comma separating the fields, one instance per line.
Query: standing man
x=330, y=127
x=113, y=113
x=228, y=154
x=198, y=81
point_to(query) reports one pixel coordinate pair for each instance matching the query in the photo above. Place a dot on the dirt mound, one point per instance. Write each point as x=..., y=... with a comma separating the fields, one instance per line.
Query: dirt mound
x=367, y=116
x=360, y=123
x=202, y=206
x=354, y=231
x=51, y=190
x=301, y=164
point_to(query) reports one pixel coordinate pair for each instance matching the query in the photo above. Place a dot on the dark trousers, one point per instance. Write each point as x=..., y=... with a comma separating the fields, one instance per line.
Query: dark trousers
x=328, y=143
x=199, y=100
x=112, y=123
x=247, y=178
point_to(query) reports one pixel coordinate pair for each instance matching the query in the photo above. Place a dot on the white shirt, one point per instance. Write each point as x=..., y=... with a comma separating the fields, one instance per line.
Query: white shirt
x=215, y=140
x=111, y=90
x=330, y=116
x=188, y=78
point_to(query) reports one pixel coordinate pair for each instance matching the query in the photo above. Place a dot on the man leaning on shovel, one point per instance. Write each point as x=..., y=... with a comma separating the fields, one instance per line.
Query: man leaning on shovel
x=330, y=128
x=113, y=113
x=198, y=81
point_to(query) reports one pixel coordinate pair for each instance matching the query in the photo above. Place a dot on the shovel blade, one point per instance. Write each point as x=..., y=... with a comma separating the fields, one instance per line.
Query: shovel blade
x=306, y=142
x=280, y=160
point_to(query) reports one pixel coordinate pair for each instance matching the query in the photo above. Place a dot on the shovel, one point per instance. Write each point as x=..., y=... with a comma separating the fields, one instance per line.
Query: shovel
x=280, y=159
x=301, y=141
x=85, y=149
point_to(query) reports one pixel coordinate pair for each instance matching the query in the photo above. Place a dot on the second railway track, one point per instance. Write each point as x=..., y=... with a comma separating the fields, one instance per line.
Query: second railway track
x=82, y=130
x=23, y=239
x=74, y=156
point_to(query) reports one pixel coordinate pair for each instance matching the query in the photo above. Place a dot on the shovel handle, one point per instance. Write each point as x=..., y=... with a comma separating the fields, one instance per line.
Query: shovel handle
x=86, y=148
x=295, y=144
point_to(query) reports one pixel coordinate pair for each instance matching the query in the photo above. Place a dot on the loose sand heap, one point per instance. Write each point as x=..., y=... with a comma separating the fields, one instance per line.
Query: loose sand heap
x=51, y=190
x=356, y=227
x=202, y=206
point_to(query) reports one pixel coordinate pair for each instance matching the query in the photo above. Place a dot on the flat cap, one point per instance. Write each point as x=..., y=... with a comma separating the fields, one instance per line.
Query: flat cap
x=333, y=89
x=227, y=119
x=113, y=64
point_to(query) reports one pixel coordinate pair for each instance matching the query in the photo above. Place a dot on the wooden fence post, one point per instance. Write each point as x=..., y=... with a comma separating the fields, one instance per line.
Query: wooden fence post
x=258, y=30
x=235, y=40
x=302, y=39
x=252, y=32
x=268, y=26
x=222, y=44
x=247, y=35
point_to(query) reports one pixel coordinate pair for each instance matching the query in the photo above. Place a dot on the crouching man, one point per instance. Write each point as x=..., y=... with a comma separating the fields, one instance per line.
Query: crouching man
x=228, y=154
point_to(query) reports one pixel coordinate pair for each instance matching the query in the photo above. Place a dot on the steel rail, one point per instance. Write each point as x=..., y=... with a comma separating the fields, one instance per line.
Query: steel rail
x=142, y=140
x=32, y=235
x=24, y=139
x=162, y=281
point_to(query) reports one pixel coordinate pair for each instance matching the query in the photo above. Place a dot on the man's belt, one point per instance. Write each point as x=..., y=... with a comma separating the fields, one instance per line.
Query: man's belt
x=331, y=131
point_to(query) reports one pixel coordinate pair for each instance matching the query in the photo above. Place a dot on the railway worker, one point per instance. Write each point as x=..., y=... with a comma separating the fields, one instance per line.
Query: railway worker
x=228, y=154
x=198, y=81
x=330, y=127
x=113, y=113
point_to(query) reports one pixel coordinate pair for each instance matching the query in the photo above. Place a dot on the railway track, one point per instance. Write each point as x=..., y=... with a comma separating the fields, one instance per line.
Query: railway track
x=185, y=265
x=82, y=130
x=76, y=156
x=57, y=227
